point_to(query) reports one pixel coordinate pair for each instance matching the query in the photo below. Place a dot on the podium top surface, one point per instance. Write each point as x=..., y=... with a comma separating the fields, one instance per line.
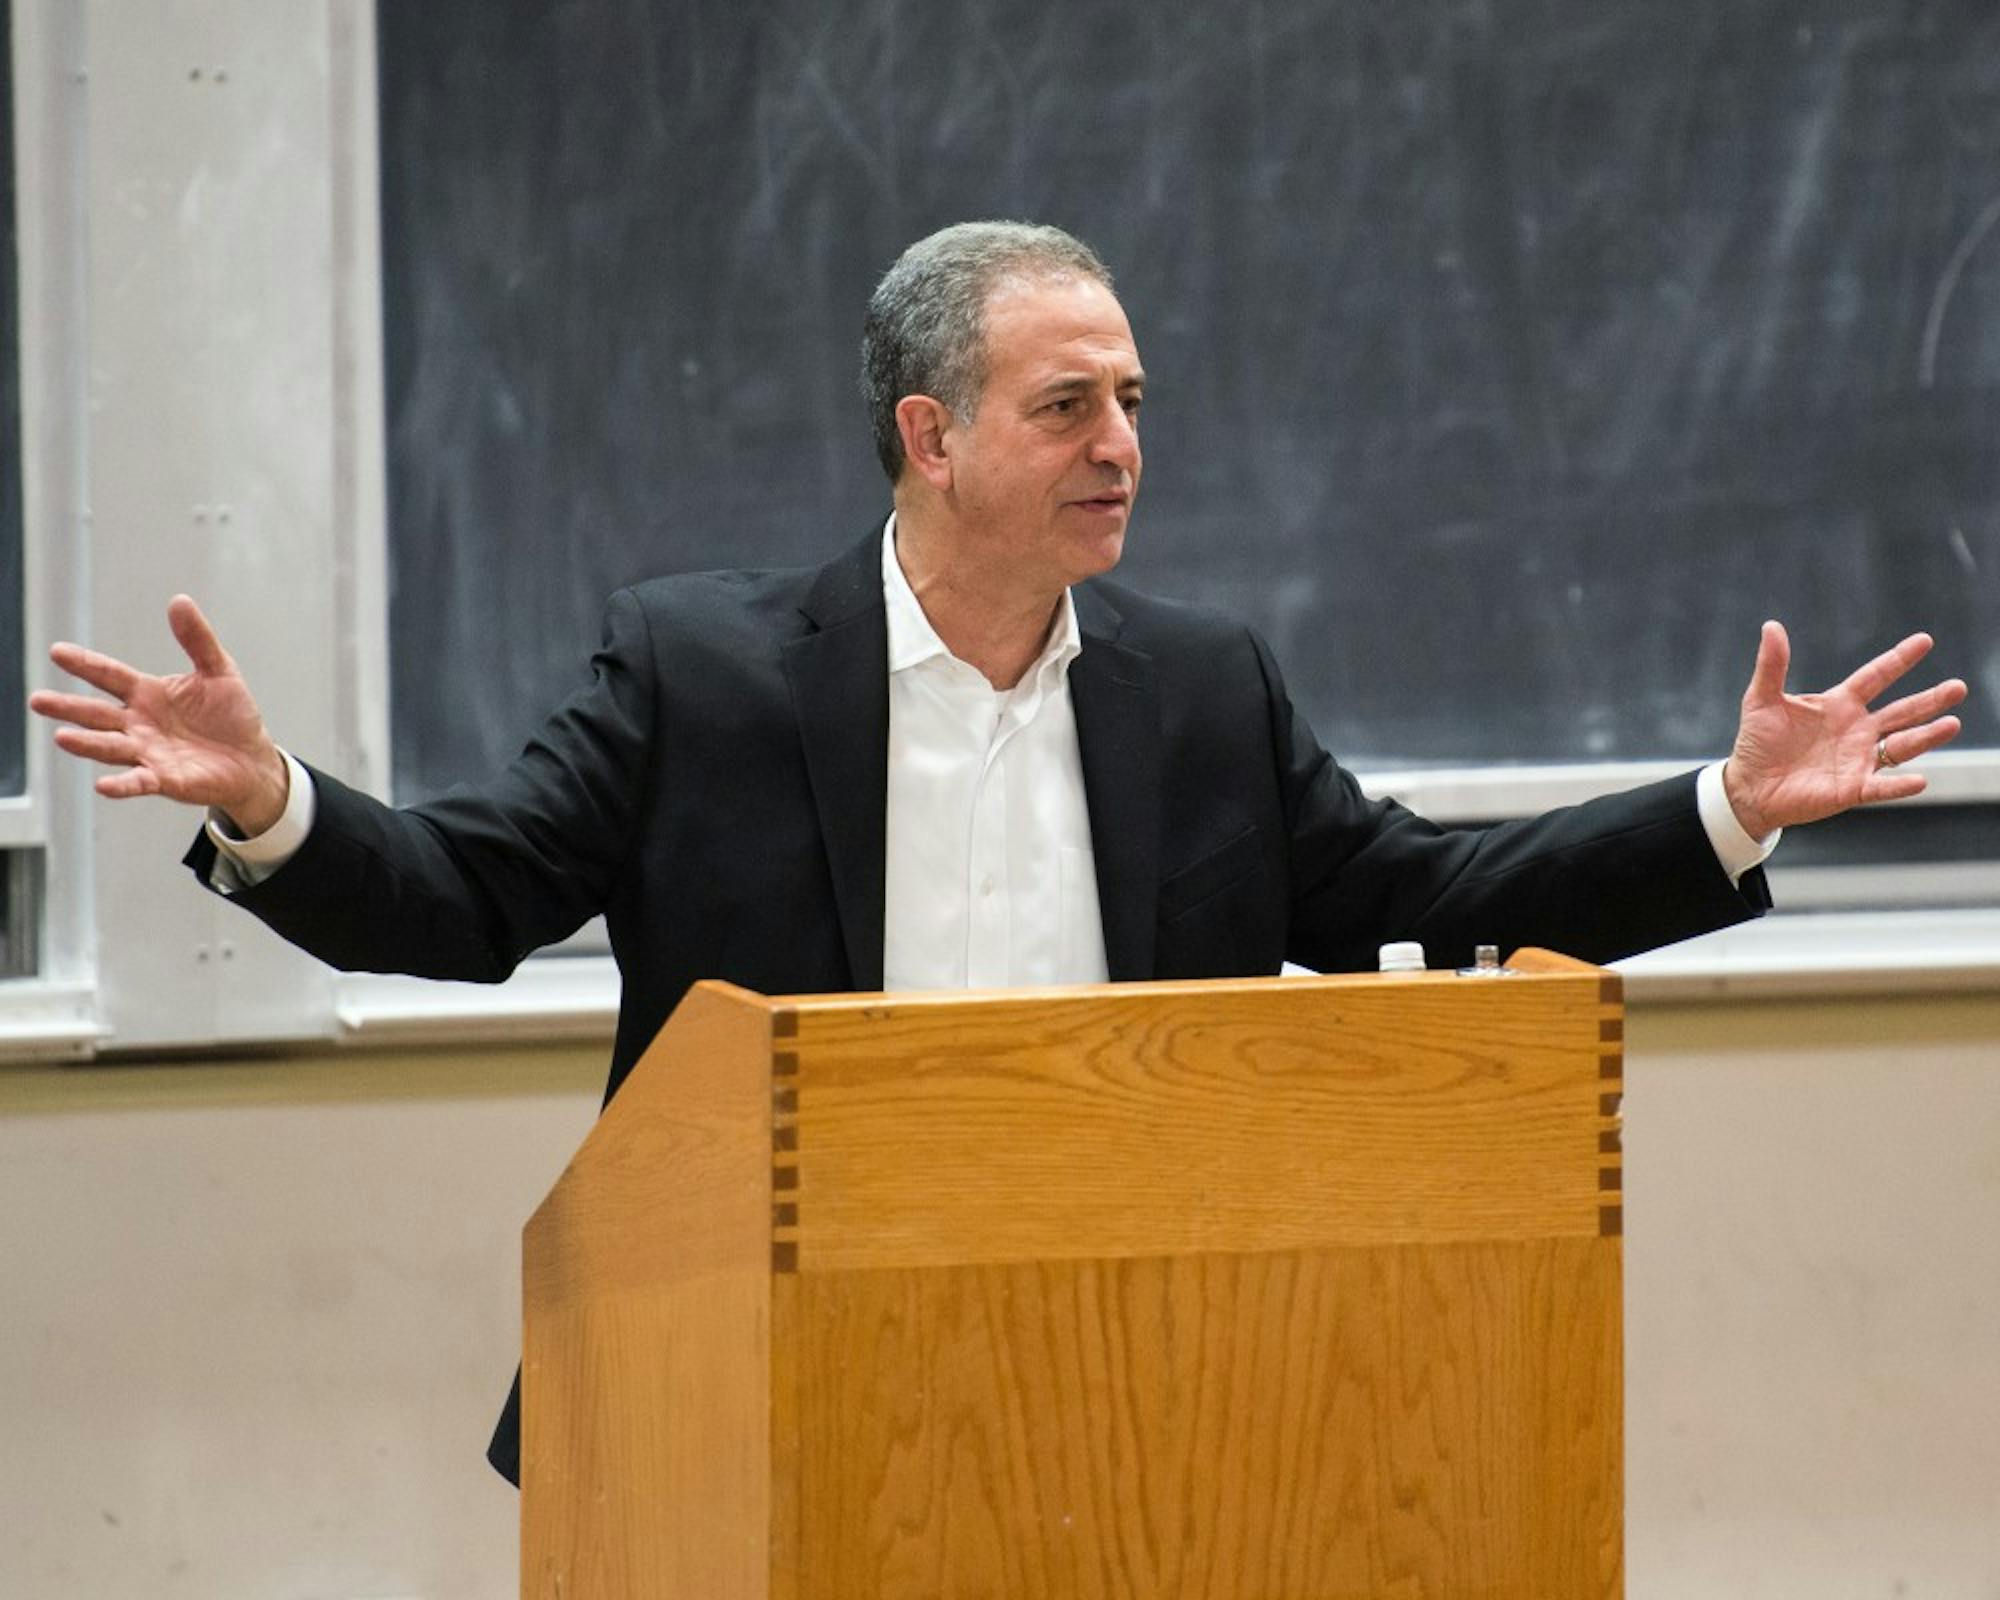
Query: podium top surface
x=1524, y=965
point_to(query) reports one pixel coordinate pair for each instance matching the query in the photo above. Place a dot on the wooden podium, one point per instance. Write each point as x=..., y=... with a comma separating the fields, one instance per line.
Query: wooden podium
x=1288, y=1288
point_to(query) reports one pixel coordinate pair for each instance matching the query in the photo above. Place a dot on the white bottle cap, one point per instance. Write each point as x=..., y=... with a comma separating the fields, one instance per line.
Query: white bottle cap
x=1405, y=955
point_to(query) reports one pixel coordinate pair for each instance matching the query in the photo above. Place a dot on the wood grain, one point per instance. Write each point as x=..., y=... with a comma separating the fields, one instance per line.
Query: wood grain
x=1154, y=1119
x=1396, y=1420
x=647, y=1355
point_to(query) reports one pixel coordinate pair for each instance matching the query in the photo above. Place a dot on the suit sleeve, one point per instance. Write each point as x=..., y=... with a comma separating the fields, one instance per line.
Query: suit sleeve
x=1599, y=881
x=465, y=886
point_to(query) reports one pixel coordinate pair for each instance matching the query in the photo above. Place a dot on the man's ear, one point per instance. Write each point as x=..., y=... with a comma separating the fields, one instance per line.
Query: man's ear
x=925, y=425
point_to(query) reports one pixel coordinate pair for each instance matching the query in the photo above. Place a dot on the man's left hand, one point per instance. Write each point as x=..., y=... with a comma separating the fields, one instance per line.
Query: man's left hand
x=1800, y=757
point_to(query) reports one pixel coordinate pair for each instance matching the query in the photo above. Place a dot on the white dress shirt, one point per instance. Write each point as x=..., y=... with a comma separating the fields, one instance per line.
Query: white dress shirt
x=989, y=878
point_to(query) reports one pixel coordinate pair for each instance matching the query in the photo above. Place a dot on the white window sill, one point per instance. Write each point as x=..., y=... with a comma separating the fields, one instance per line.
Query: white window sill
x=47, y=1021
x=1487, y=794
x=549, y=998
x=1850, y=953
x=575, y=998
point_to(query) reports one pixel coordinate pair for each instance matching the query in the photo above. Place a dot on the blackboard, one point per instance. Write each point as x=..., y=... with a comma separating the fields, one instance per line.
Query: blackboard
x=13, y=619
x=1508, y=363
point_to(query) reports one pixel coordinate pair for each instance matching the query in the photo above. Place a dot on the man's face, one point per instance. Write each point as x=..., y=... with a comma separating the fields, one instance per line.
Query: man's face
x=1045, y=473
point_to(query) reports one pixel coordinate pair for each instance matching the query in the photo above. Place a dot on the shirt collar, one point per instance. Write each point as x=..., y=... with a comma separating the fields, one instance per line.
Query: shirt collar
x=913, y=641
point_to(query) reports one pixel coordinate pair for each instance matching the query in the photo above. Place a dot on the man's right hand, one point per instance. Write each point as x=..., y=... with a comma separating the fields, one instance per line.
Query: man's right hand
x=196, y=736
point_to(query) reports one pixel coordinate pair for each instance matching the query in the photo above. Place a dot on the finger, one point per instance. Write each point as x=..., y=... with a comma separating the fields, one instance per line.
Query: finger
x=1774, y=658
x=129, y=784
x=95, y=668
x=114, y=749
x=1893, y=786
x=1910, y=743
x=197, y=638
x=86, y=711
x=1870, y=680
x=1914, y=708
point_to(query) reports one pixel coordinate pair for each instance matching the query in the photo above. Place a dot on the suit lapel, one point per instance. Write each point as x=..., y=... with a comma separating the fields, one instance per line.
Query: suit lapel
x=839, y=675
x=1118, y=734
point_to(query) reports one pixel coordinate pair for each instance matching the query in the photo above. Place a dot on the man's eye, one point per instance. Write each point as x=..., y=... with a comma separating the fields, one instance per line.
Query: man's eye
x=1063, y=407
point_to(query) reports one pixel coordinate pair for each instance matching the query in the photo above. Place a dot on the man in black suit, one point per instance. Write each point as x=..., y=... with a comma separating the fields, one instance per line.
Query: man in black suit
x=957, y=753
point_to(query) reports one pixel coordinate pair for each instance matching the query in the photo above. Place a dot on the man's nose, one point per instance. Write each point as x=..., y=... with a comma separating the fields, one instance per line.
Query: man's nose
x=1117, y=440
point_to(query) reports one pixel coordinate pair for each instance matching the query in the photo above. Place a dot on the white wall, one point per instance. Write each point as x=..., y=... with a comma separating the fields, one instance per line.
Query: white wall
x=258, y=1315
x=259, y=1318
x=1813, y=1300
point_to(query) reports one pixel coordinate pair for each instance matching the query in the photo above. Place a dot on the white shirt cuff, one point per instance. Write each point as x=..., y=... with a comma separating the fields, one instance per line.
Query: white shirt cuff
x=242, y=863
x=1734, y=848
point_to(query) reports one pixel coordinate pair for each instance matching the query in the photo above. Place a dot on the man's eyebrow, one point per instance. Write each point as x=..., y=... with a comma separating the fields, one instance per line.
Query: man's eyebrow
x=1074, y=382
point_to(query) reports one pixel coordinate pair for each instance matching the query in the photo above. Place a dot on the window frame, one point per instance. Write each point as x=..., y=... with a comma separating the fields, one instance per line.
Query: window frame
x=44, y=50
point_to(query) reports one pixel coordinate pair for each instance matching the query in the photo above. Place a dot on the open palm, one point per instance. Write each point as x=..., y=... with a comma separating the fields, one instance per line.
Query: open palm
x=1800, y=757
x=194, y=736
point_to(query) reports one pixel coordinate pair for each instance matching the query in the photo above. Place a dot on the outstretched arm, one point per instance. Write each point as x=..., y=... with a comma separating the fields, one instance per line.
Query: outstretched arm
x=195, y=736
x=1801, y=757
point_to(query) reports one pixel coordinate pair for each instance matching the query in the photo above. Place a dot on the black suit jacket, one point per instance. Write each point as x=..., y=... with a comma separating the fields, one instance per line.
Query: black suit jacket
x=718, y=793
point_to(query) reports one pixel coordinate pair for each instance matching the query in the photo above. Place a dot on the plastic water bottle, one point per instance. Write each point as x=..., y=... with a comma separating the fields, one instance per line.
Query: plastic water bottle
x=1405, y=955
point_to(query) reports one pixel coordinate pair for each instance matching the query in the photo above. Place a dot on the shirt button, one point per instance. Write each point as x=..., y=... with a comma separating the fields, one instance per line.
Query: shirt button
x=986, y=885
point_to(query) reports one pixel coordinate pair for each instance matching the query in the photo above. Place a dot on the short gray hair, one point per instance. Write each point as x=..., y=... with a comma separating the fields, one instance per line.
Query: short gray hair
x=926, y=326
